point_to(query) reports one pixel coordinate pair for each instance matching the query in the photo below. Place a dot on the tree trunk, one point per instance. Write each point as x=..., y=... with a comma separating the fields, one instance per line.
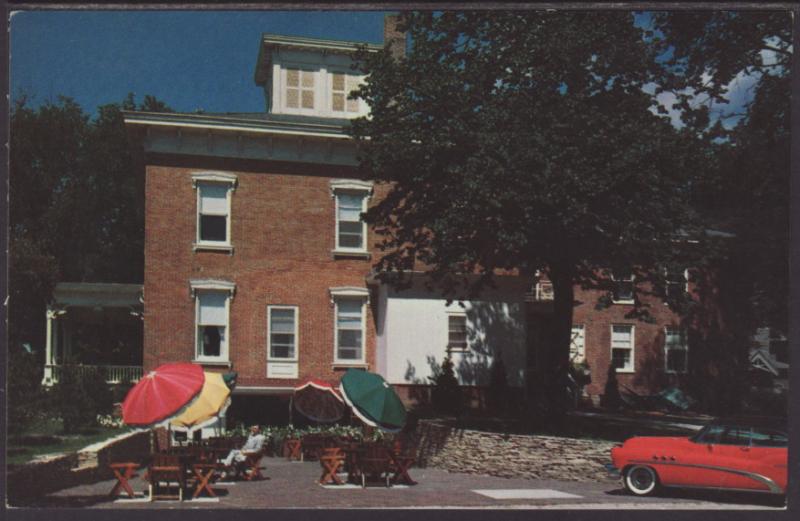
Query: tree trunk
x=548, y=397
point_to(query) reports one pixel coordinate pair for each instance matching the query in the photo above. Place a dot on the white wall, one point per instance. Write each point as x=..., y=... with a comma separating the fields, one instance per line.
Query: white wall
x=414, y=335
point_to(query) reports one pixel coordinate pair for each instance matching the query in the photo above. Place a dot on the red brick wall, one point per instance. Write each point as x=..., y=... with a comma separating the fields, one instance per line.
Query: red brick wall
x=282, y=231
x=648, y=355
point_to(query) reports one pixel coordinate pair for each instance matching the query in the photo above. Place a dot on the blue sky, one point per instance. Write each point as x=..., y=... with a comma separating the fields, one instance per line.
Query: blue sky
x=188, y=59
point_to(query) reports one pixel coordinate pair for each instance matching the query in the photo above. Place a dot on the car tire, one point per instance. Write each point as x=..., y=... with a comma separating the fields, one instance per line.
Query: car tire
x=640, y=480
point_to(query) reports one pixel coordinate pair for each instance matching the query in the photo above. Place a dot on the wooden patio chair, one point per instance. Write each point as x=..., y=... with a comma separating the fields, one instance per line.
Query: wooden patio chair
x=166, y=470
x=374, y=463
x=251, y=467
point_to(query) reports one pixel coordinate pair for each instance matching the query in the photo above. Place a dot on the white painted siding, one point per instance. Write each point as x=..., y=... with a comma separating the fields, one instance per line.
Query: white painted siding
x=413, y=339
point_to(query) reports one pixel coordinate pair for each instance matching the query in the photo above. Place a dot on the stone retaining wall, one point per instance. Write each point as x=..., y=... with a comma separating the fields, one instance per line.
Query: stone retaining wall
x=512, y=455
x=59, y=471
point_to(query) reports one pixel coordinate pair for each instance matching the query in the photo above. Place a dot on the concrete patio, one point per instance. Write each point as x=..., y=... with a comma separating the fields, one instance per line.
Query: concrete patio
x=294, y=485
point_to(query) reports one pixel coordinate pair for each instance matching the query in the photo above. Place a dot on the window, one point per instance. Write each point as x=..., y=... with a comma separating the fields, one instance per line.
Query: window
x=213, y=209
x=457, y=331
x=622, y=347
x=212, y=325
x=577, y=346
x=676, y=350
x=298, y=89
x=349, y=329
x=341, y=86
x=676, y=283
x=282, y=332
x=351, y=231
x=763, y=437
x=623, y=286
x=735, y=436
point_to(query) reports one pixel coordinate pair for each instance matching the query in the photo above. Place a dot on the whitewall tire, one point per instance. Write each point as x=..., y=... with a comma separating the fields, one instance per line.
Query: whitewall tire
x=640, y=480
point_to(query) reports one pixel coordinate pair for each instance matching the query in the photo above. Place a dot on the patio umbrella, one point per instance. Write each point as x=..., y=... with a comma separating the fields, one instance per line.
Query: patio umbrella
x=206, y=407
x=162, y=393
x=318, y=401
x=373, y=400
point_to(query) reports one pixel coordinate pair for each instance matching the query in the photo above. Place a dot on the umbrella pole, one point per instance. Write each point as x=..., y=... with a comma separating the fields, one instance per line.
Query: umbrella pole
x=291, y=409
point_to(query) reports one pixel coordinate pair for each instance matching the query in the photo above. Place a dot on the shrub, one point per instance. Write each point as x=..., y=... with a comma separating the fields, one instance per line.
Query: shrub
x=79, y=398
x=611, y=397
x=25, y=395
x=446, y=394
x=498, y=387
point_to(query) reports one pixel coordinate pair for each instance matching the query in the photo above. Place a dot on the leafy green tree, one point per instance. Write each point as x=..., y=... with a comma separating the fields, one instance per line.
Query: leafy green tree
x=525, y=141
x=76, y=213
x=746, y=191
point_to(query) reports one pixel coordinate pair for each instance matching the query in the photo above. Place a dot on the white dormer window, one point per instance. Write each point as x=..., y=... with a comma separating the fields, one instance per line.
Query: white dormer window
x=299, y=89
x=341, y=86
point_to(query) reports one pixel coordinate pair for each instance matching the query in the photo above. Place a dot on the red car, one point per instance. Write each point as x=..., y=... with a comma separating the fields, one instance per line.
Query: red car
x=734, y=454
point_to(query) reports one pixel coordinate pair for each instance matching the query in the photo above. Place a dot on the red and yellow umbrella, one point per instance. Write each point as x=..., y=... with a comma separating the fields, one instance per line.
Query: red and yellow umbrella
x=162, y=393
x=206, y=407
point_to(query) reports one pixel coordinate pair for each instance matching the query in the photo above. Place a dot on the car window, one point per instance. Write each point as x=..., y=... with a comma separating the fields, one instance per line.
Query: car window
x=734, y=435
x=769, y=438
x=709, y=434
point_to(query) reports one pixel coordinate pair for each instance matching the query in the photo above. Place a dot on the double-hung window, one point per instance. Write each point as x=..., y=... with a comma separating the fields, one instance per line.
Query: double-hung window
x=457, y=331
x=577, y=346
x=623, y=286
x=349, y=329
x=351, y=198
x=214, y=210
x=622, y=345
x=676, y=282
x=676, y=350
x=212, y=316
x=282, y=328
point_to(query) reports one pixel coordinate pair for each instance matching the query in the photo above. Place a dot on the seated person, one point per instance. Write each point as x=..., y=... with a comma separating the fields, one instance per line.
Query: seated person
x=253, y=445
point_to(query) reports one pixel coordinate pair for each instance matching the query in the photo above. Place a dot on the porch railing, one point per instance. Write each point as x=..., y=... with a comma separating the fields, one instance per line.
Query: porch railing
x=114, y=373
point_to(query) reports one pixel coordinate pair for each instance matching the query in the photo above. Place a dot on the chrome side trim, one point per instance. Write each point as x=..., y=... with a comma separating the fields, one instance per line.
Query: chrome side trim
x=764, y=480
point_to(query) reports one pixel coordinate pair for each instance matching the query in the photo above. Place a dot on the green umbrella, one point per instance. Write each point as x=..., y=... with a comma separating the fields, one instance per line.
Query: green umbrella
x=373, y=400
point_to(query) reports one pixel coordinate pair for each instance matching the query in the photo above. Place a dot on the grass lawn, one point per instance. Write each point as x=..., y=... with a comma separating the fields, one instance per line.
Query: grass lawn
x=46, y=437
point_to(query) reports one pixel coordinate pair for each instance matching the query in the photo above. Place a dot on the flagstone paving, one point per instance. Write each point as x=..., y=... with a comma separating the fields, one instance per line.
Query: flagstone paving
x=294, y=485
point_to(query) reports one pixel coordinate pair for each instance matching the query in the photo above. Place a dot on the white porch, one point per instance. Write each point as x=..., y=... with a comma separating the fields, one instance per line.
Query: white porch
x=94, y=327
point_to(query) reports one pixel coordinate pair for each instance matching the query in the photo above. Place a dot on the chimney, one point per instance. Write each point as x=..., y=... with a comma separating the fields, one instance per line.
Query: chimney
x=393, y=36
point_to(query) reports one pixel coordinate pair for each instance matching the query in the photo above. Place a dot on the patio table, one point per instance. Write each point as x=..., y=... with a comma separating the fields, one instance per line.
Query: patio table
x=204, y=475
x=293, y=446
x=331, y=460
x=123, y=472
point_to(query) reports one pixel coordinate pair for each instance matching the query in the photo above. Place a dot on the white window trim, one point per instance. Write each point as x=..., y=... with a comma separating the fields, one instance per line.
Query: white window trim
x=357, y=187
x=296, y=310
x=329, y=72
x=683, y=347
x=349, y=361
x=218, y=178
x=457, y=313
x=632, y=280
x=579, y=356
x=632, y=348
x=224, y=355
x=685, y=278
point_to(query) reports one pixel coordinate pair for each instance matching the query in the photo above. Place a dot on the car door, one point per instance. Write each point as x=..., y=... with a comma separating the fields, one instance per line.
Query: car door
x=697, y=465
x=735, y=455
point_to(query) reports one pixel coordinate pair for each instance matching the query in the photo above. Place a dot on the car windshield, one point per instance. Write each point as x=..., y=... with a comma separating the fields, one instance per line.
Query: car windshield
x=708, y=434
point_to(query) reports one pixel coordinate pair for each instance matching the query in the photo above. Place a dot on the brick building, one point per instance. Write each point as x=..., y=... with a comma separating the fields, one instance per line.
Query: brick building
x=256, y=259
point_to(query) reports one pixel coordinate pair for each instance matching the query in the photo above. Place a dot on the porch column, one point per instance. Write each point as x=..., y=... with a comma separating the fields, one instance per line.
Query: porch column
x=49, y=355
